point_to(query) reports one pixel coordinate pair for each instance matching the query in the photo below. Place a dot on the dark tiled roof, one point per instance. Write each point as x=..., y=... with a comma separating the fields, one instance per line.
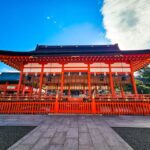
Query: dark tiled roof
x=9, y=76
x=75, y=50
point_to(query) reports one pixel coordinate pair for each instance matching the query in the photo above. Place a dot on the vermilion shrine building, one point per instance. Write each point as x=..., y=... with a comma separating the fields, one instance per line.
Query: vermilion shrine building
x=75, y=79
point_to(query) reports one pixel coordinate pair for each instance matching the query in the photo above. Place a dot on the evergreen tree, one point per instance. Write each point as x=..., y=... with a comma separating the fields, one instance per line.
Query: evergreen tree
x=143, y=81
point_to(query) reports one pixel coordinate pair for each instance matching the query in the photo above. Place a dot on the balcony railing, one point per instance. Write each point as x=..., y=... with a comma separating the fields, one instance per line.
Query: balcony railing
x=106, y=105
x=139, y=97
x=105, y=108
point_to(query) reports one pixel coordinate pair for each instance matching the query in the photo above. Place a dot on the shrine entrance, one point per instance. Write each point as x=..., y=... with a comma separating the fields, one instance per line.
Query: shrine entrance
x=75, y=86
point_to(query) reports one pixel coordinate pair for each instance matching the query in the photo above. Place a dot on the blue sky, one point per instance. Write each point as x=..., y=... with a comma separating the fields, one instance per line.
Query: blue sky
x=26, y=23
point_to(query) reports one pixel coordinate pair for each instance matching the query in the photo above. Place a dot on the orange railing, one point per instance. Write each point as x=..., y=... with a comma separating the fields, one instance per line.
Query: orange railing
x=123, y=108
x=26, y=107
x=27, y=98
x=106, y=108
x=132, y=97
x=139, y=97
x=75, y=107
x=133, y=105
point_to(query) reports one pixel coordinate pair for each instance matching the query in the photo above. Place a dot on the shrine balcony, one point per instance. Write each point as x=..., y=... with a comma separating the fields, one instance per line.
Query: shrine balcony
x=106, y=105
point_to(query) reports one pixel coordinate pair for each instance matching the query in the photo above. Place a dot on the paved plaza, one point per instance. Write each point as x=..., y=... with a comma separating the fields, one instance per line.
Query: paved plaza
x=73, y=132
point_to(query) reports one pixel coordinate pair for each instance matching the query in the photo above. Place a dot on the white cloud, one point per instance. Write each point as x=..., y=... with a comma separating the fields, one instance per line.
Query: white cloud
x=127, y=22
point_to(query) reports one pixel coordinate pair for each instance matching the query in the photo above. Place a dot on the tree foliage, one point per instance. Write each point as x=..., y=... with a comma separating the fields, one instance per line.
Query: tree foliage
x=143, y=80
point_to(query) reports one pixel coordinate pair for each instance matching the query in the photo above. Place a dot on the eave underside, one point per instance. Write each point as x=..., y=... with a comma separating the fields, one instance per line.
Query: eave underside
x=138, y=60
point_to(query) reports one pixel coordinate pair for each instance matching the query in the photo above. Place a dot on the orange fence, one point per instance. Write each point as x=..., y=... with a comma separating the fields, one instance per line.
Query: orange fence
x=123, y=108
x=27, y=98
x=132, y=97
x=133, y=105
x=27, y=107
x=106, y=108
x=75, y=107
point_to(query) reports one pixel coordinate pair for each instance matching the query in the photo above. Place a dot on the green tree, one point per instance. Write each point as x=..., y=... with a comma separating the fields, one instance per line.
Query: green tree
x=143, y=80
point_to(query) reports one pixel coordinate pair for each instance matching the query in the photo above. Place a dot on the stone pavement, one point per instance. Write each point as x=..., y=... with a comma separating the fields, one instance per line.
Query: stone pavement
x=73, y=132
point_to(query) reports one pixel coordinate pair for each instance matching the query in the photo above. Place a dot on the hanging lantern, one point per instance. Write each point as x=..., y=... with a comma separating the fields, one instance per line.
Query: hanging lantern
x=126, y=74
x=36, y=74
x=104, y=73
x=95, y=74
x=26, y=74
x=54, y=74
x=80, y=73
x=47, y=74
x=68, y=73
x=116, y=74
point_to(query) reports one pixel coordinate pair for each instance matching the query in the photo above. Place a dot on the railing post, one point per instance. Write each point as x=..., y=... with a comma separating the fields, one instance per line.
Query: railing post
x=56, y=104
x=93, y=105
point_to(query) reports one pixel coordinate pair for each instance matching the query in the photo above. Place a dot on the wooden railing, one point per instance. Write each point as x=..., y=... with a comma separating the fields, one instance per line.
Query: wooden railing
x=52, y=104
x=27, y=107
x=75, y=107
x=123, y=108
x=27, y=98
x=106, y=108
x=132, y=97
x=139, y=97
x=143, y=97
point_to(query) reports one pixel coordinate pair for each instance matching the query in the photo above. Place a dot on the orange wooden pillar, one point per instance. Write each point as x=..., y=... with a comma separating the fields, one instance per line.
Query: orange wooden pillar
x=62, y=80
x=93, y=104
x=41, y=80
x=91, y=95
x=56, y=103
x=111, y=82
x=133, y=81
x=89, y=81
x=20, y=81
x=61, y=89
x=5, y=88
x=122, y=90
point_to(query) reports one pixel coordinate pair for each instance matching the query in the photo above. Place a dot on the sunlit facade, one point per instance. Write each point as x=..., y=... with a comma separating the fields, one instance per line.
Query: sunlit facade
x=76, y=73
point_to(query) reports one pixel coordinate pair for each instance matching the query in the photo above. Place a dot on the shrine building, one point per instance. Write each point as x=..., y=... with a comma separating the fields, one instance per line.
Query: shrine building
x=88, y=79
